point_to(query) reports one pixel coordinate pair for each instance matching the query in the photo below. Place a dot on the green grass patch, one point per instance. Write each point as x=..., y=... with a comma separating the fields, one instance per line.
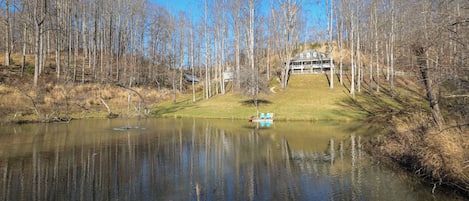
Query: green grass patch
x=307, y=97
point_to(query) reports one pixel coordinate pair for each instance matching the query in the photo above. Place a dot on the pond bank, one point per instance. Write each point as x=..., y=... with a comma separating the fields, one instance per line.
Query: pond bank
x=440, y=158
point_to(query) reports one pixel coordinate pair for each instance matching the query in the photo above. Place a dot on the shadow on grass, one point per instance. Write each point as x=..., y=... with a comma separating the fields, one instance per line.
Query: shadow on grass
x=172, y=108
x=253, y=102
x=383, y=106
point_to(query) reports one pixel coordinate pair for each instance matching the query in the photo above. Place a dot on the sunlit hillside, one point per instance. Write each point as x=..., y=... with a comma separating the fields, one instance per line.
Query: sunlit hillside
x=307, y=97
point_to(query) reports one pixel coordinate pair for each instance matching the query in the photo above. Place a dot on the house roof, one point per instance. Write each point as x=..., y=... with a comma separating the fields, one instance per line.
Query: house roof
x=191, y=78
x=308, y=55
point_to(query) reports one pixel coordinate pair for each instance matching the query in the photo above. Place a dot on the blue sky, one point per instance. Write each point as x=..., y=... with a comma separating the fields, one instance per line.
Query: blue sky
x=315, y=8
x=176, y=5
x=315, y=11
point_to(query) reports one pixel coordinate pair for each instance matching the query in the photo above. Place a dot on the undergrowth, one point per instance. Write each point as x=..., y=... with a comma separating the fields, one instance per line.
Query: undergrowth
x=439, y=157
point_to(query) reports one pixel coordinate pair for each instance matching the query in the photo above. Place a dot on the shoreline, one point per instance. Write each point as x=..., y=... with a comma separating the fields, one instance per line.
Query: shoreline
x=65, y=103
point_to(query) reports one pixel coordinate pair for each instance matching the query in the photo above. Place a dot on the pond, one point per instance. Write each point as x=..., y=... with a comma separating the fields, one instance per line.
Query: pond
x=196, y=159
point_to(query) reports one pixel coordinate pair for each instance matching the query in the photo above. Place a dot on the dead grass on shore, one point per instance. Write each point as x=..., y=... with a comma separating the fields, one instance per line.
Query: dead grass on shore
x=23, y=103
x=441, y=157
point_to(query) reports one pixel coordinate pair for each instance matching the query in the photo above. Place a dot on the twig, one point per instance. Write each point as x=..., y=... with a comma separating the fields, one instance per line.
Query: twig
x=104, y=102
x=456, y=96
x=32, y=101
x=138, y=94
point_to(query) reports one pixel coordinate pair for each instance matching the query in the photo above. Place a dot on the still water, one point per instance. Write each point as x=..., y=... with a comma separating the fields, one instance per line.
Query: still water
x=194, y=159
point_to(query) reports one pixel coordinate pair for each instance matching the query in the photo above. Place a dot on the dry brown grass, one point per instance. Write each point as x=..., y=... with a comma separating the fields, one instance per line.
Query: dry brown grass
x=11, y=98
x=450, y=149
x=441, y=157
x=19, y=104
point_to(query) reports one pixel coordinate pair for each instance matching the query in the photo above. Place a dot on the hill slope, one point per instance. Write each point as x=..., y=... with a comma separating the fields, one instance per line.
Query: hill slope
x=307, y=97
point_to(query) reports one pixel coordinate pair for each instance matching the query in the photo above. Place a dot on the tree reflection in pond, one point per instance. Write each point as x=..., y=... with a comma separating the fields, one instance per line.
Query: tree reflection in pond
x=193, y=160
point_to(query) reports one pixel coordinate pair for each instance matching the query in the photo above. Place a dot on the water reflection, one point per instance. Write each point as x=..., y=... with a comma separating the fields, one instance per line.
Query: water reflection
x=191, y=160
x=261, y=124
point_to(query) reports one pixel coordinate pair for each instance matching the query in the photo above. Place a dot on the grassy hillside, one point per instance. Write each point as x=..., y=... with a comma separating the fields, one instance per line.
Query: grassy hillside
x=307, y=97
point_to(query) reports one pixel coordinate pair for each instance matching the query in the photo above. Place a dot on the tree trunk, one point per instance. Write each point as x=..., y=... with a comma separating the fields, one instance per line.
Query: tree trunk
x=37, y=33
x=192, y=61
x=352, y=52
x=207, y=78
x=76, y=46
x=391, y=46
x=376, y=46
x=8, y=34
x=181, y=50
x=237, y=55
x=222, y=70
x=341, y=56
x=359, y=59
x=423, y=65
x=85, y=46
x=38, y=21
x=23, y=55
x=330, y=44
x=251, y=47
x=288, y=39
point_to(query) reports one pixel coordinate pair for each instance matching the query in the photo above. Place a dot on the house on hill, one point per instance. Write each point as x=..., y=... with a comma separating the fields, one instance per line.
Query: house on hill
x=190, y=78
x=309, y=62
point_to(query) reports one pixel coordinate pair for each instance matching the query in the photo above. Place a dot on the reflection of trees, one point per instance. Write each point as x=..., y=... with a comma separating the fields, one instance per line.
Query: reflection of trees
x=191, y=161
x=204, y=164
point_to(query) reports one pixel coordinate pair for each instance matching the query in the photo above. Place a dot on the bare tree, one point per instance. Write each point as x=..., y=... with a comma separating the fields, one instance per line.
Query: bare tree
x=191, y=53
x=39, y=15
x=182, y=27
x=8, y=34
x=393, y=25
x=237, y=15
x=378, y=70
x=331, y=14
x=340, y=34
x=207, y=77
x=423, y=42
x=251, y=44
x=288, y=34
x=352, y=42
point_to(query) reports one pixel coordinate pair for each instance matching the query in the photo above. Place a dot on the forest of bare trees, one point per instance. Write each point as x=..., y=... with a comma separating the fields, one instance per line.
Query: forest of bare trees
x=139, y=42
x=425, y=39
x=142, y=43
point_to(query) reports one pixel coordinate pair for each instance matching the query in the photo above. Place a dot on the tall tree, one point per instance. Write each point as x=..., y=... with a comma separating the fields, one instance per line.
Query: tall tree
x=341, y=30
x=378, y=70
x=351, y=6
x=207, y=77
x=8, y=26
x=251, y=47
x=393, y=25
x=39, y=16
x=182, y=27
x=288, y=34
x=236, y=14
x=191, y=53
x=331, y=14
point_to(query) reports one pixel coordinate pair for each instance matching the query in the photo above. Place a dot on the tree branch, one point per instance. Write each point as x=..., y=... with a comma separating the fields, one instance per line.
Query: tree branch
x=457, y=96
x=138, y=94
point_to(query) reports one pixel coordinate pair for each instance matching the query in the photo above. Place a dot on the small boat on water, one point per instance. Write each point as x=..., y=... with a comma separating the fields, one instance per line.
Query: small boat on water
x=262, y=118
